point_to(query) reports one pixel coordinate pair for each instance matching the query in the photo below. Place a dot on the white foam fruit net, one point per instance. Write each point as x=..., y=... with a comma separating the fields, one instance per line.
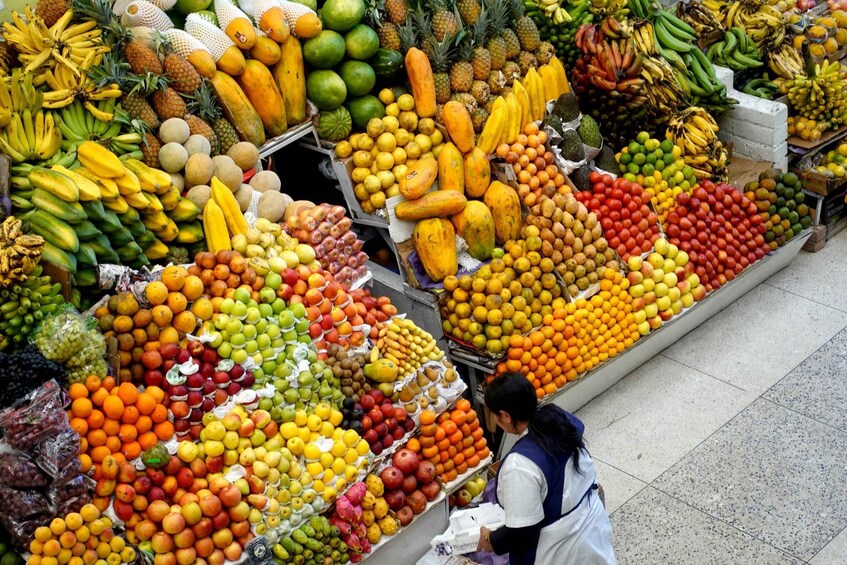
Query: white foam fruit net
x=294, y=11
x=164, y=5
x=227, y=13
x=257, y=8
x=216, y=41
x=143, y=13
x=183, y=43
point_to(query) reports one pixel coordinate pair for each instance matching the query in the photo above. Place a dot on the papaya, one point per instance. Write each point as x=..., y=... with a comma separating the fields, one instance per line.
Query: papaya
x=451, y=169
x=435, y=243
x=505, y=206
x=477, y=173
x=475, y=224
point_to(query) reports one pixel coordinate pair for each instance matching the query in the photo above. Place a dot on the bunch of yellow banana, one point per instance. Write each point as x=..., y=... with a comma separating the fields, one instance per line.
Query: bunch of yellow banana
x=763, y=23
x=41, y=48
x=552, y=9
x=77, y=126
x=698, y=16
x=69, y=84
x=718, y=8
x=642, y=35
x=821, y=96
x=663, y=89
x=30, y=133
x=694, y=130
x=18, y=93
x=19, y=252
x=786, y=61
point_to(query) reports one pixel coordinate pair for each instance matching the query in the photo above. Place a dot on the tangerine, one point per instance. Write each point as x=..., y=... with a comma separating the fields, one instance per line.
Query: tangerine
x=113, y=407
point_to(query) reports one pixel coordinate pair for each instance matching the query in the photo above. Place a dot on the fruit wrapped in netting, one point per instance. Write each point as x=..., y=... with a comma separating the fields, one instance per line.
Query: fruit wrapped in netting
x=74, y=341
x=34, y=418
x=70, y=496
x=20, y=504
x=57, y=456
x=24, y=371
x=17, y=470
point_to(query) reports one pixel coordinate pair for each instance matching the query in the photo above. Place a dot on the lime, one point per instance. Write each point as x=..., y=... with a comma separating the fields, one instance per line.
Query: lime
x=639, y=158
x=624, y=158
x=633, y=169
x=642, y=137
x=633, y=147
x=666, y=146
x=651, y=144
x=630, y=177
x=647, y=169
x=668, y=158
x=651, y=158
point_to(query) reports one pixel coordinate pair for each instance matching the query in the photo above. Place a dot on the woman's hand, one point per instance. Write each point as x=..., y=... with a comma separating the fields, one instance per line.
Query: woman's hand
x=484, y=544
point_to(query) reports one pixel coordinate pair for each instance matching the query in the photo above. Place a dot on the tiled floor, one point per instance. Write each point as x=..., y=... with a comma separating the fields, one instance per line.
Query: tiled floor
x=731, y=446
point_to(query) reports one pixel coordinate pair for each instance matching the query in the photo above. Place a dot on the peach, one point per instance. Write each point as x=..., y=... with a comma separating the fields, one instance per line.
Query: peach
x=203, y=528
x=170, y=486
x=173, y=523
x=232, y=551
x=239, y=529
x=162, y=542
x=184, y=539
x=216, y=558
x=157, y=510
x=230, y=495
x=247, y=428
x=204, y=547
x=186, y=556
x=186, y=498
x=191, y=513
x=220, y=521
x=217, y=484
x=222, y=538
x=145, y=530
x=198, y=467
x=166, y=558
x=210, y=505
x=239, y=512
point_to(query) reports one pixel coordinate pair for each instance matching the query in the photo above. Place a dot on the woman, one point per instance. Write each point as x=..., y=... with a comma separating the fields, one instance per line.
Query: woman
x=546, y=484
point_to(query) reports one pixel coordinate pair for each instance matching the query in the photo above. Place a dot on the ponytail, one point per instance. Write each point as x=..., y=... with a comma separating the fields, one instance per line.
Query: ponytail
x=556, y=434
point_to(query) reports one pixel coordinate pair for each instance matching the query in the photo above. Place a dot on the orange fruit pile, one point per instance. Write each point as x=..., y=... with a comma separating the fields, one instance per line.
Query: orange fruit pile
x=575, y=338
x=221, y=273
x=534, y=165
x=116, y=420
x=453, y=441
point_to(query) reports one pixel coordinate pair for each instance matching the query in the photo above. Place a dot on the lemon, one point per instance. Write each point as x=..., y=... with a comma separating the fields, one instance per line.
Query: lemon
x=406, y=102
x=385, y=161
x=399, y=155
x=377, y=200
x=436, y=137
x=344, y=149
x=365, y=142
x=413, y=150
x=372, y=184
x=392, y=110
x=374, y=127
x=424, y=142
x=403, y=137
x=386, y=96
x=386, y=179
x=386, y=142
x=426, y=126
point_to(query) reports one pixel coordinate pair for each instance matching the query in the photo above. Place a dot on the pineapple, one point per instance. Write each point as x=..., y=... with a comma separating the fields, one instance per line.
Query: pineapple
x=506, y=91
x=480, y=57
x=489, y=104
x=150, y=150
x=527, y=33
x=113, y=70
x=142, y=59
x=466, y=99
x=440, y=57
x=479, y=117
x=496, y=43
x=444, y=21
x=182, y=75
x=418, y=28
x=513, y=44
x=389, y=36
x=496, y=81
x=138, y=108
x=468, y=11
x=480, y=91
x=168, y=103
x=203, y=106
x=512, y=71
x=439, y=114
x=51, y=10
x=544, y=53
x=461, y=73
x=397, y=10
x=526, y=61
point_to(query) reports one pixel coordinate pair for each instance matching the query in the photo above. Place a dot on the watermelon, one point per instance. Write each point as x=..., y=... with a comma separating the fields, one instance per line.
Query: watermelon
x=386, y=63
x=325, y=50
x=334, y=125
x=364, y=108
x=358, y=76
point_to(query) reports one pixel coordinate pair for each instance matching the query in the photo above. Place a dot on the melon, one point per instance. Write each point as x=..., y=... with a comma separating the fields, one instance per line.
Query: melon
x=324, y=51
x=362, y=42
x=341, y=15
x=326, y=89
x=245, y=155
x=172, y=157
x=264, y=181
x=198, y=169
x=358, y=76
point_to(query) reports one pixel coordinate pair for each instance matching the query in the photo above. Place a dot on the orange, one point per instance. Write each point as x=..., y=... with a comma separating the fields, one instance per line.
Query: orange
x=414, y=445
x=164, y=430
x=146, y=403
x=96, y=438
x=109, y=383
x=128, y=393
x=111, y=427
x=192, y=287
x=429, y=452
x=159, y=414
x=455, y=437
x=162, y=315
x=92, y=383
x=173, y=277
x=113, y=443
x=147, y=440
x=127, y=433
x=203, y=309
x=463, y=404
x=81, y=407
x=131, y=450
x=113, y=407
x=84, y=462
x=80, y=426
x=427, y=441
x=450, y=427
x=169, y=335
x=143, y=424
x=95, y=419
x=130, y=415
x=157, y=393
x=77, y=390
x=100, y=453
x=156, y=293
x=427, y=417
x=185, y=321
x=176, y=302
x=458, y=417
x=142, y=318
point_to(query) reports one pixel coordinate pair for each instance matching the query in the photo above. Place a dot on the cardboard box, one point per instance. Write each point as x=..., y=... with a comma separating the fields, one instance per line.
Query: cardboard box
x=463, y=534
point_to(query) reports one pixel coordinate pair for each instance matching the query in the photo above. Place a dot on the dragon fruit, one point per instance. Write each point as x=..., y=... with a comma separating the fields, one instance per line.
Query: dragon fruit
x=344, y=528
x=345, y=509
x=354, y=544
x=356, y=493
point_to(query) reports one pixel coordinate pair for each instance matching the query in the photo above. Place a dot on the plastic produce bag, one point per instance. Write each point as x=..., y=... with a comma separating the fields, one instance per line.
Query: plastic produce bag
x=71, y=496
x=21, y=530
x=35, y=418
x=23, y=503
x=17, y=470
x=57, y=455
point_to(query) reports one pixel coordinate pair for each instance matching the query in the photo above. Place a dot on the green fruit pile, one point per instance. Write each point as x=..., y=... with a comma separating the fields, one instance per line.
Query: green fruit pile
x=23, y=306
x=781, y=203
x=315, y=541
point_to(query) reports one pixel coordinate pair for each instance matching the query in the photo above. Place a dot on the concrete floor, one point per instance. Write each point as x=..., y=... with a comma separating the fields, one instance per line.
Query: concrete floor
x=731, y=446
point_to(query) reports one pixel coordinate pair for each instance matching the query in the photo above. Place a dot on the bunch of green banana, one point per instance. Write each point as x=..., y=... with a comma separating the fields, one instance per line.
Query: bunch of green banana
x=561, y=34
x=78, y=125
x=41, y=48
x=786, y=61
x=21, y=189
x=24, y=305
x=702, y=83
x=30, y=133
x=699, y=17
x=763, y=23
x=735, y=51
x=820, y=96
x=694, y=130
x=761, y=87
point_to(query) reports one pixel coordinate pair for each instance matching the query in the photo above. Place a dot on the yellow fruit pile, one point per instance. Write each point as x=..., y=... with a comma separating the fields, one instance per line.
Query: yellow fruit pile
x=80, y=538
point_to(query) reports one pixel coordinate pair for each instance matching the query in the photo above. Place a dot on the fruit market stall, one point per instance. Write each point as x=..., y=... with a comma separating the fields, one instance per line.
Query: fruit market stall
x=210, y=356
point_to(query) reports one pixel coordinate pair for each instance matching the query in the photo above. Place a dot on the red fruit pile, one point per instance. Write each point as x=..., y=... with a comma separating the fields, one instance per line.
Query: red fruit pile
x=720, y=229
x=353, y=315
x=200, y=382
x=409, y=485
x=383, y=423
x=629, y=224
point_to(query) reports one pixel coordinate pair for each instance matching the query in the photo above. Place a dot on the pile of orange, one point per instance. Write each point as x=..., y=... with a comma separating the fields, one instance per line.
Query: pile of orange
x=453, y=441
x=534, y=165
x=116, y=420
x=167, y=320
x=575, y=338
x=222, y=273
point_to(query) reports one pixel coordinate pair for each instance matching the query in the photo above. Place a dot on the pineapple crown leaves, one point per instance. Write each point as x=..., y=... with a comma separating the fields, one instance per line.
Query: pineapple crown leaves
x=498, y=16
x=408, y=34
x=203, y=104
x=161, y=45
x=482, y=27
x=441, y=53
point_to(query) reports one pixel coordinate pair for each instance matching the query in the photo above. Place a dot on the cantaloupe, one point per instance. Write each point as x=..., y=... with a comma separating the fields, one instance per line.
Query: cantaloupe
x=272, y=205
x=266, y=180
x=172, y=157
x=198, y=170
x=245, y=155
x=174, y=130
x=197, y=144
x=244, y=196
x=227, y=172
x=199, y=194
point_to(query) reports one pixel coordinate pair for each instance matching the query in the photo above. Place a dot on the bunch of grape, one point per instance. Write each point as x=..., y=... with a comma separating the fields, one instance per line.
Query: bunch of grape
x=89, y=360
x=67, y=339
x=25, y=371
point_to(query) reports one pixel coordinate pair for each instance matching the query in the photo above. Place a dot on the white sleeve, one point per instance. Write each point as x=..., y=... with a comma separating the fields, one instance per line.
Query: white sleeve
x=521, y=490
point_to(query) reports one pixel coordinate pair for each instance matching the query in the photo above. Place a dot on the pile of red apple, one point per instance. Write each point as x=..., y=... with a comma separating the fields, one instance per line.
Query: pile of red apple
x=622, y=207
x=383, y=423
x=720, y=229
x=409, y=485
x=212, y=384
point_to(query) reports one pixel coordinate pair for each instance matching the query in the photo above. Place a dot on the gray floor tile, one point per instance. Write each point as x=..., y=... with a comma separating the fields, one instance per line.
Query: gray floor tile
x=835, y=552
x=820, y=276
x=772, y=473
x=654, y=528
x=748, y=343
x=817, y=386
x=657, y=414
x=617, y=485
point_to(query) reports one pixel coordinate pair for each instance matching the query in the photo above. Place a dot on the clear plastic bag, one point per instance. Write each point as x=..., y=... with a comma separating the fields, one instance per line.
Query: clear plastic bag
x=70, y=496
x=62, y=336
x=35, y=418
x=23, y=503
x=21, y=530
x=17, y=470
x=57, y=456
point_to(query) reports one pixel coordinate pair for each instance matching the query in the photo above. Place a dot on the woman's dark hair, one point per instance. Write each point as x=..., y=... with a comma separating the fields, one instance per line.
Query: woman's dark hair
x=549, y=425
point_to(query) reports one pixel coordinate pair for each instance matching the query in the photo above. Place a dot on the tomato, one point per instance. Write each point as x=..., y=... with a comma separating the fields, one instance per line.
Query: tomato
x=615, y=204
x=626, y=223
x=646, y=246
x=615, y=215
x=614, y=241
x=623, y=233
